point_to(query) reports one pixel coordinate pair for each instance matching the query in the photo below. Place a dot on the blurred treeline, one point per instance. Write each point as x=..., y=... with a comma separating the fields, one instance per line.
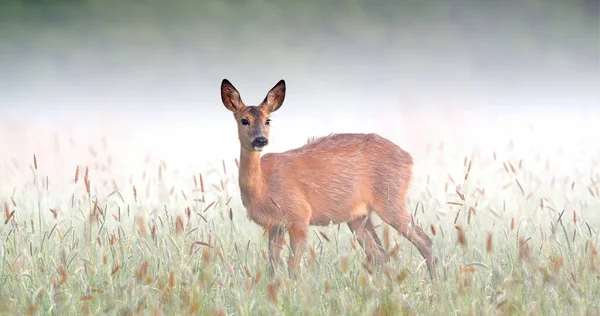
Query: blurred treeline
x=357, y=38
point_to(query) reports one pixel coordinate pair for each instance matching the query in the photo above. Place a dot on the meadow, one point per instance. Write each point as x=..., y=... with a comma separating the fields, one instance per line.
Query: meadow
x=105, y=222
x=515, y=231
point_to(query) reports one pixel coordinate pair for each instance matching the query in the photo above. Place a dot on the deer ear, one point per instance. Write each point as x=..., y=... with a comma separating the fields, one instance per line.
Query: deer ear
x=230, y=96
x=275, y=97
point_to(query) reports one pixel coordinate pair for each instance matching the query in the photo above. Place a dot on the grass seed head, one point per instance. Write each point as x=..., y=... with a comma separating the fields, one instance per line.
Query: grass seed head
x=142, y=271
x=86, y=179
x=171, y=279
x=178, y=226
x=324, y=235
x=205, y=254
x=201, y=183
x=462, y=240
x=272, y=289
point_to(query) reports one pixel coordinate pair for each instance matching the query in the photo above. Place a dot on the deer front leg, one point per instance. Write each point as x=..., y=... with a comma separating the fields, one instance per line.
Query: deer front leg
x=298, y=238
x=276, y=244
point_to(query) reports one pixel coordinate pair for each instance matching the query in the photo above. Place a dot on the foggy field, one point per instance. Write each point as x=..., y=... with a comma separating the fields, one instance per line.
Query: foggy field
x=131, y=205
x=163, y=241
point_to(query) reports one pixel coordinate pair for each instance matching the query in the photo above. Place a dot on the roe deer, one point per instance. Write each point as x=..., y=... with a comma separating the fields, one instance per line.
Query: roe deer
x=333, y=179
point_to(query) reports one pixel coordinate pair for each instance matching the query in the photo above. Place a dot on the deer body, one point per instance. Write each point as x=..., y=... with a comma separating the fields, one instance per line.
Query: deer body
x=333, y=179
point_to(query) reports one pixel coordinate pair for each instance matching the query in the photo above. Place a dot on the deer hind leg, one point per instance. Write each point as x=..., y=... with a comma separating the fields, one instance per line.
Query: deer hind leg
x=362, y=227
x=276, y=244
x=398, y=217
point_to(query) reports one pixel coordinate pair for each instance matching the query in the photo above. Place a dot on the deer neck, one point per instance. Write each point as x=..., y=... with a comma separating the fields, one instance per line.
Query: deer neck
x=251, y=180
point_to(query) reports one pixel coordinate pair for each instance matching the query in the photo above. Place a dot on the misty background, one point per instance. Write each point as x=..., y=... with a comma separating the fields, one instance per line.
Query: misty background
x=145, y=75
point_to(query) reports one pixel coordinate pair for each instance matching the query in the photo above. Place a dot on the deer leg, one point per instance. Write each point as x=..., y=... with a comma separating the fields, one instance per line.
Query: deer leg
x=276, y=244
x=397, y=217
x=363, y=229
x=298, y=238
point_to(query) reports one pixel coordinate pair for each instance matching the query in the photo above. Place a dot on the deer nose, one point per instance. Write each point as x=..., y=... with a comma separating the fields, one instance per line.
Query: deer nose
x=260, y=142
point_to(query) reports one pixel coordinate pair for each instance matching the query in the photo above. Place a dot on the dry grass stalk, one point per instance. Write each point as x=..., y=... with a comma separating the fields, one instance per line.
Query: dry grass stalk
x=520, y=186
x=468, y=169
x=324, y=236
x=7, y=213
x=35, y=165
x=462, y=196
x=264, y=254
x=76, y=174
x=386, y=237
x=116, y=268
x=208, y=206
x=258, y=276
x=87, y=181
x=201, y=183
x=471, y=212
x=352, y=242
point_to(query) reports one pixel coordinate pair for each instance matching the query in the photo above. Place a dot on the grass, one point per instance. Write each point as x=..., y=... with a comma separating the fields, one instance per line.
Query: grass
x=512, y=234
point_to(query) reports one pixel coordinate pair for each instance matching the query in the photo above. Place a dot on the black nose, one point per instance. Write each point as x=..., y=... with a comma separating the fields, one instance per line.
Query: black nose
x=260, y=141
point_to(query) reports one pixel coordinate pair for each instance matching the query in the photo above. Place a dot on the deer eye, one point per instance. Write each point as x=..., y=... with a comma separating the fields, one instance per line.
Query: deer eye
x=268, y=122
x=245, y=122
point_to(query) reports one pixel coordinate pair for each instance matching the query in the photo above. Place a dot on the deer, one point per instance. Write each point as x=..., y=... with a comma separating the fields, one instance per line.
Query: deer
x=335, y=179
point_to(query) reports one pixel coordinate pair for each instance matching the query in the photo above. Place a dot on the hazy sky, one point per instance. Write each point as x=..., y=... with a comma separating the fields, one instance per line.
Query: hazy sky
x=413, y=72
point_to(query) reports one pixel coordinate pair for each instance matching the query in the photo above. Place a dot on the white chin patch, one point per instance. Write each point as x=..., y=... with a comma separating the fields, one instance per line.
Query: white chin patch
x=258, y=148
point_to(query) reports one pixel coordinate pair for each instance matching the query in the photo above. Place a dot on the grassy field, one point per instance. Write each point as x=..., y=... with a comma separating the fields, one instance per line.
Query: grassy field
x=515, y=232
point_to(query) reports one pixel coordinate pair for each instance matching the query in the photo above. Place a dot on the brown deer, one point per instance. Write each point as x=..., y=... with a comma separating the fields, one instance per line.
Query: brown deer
x=333, y=179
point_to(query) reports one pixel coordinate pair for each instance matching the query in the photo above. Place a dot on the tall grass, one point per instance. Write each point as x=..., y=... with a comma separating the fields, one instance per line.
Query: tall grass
x=512, y=237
